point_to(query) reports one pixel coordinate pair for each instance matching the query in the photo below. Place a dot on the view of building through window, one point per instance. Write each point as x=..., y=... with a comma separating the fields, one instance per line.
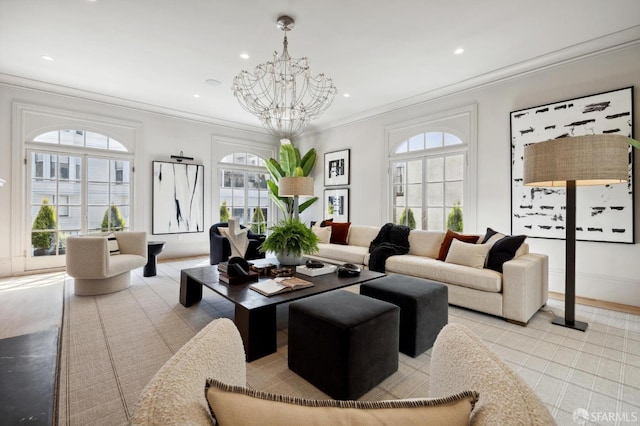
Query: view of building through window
x=428, y=182
x=75, y=188
x=243, y=191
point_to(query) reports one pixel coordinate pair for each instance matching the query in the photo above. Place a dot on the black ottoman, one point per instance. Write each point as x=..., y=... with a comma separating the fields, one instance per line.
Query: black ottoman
x=424, y=308
x=343, y=343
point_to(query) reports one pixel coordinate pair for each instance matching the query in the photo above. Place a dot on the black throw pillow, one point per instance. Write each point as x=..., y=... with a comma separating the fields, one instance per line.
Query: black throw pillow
x=504, y=250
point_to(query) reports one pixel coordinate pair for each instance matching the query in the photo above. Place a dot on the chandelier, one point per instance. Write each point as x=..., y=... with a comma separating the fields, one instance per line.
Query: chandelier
x=282, y=93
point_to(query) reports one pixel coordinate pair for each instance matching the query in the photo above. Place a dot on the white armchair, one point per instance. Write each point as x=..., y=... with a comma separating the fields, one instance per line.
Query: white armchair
x=95, y=271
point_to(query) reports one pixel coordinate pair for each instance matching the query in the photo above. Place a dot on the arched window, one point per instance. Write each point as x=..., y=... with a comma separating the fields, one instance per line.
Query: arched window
x=80, y=181
x=243, y=190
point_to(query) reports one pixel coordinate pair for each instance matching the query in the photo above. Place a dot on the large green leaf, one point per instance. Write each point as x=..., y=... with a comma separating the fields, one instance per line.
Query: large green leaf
x=274, y=168
x=308, y=161
x=288, y=159
x=634, y=143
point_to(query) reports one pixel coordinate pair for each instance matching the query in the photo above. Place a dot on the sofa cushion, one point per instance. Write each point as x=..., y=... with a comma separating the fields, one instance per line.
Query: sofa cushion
x=362, y=235
x=467, y=254
x=323, y=233
x=112, y=243
x=425, y=243
x=503, y=248
x=236, y=405
x=450, y=236
x=343, y=253
x=339, y=232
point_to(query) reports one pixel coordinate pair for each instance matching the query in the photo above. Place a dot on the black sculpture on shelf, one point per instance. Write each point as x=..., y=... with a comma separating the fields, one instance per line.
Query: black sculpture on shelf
x=220, y=249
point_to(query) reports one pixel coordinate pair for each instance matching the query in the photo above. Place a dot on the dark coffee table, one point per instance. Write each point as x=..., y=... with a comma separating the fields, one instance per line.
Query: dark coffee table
x=255, y=314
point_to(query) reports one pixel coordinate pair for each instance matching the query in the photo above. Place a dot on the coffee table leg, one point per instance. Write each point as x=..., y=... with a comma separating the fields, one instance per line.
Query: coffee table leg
x=258, y=330
x=190, y=290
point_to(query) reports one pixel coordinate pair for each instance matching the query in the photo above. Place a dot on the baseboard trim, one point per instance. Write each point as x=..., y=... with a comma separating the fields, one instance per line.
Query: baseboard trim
x=629, y=309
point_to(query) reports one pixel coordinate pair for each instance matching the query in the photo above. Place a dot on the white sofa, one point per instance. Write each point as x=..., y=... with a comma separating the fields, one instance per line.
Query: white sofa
x=516, y=294
x=460, y=361
x=95, y=271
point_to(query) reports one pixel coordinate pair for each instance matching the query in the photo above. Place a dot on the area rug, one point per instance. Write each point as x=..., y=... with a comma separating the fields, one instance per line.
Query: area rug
x=112, y=345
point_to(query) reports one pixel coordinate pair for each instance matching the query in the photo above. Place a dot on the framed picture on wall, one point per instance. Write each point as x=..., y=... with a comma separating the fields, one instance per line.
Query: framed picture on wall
x=336, y=168
x=178, y=198
x=603, y=213
x=336, y=204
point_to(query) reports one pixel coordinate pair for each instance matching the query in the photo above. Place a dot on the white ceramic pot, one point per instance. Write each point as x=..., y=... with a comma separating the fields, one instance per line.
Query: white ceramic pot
x=287, y=259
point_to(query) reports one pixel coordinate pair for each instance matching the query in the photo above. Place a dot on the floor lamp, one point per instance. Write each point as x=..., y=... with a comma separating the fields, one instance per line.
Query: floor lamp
x=294, y=186
x=571, y=162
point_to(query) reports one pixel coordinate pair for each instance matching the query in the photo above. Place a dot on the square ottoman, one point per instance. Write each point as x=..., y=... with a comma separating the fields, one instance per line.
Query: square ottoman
x=424, y=308
x=343, y=343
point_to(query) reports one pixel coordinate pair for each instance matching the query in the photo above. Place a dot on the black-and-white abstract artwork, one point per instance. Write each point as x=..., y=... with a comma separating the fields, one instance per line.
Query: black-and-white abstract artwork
x=603, y=213
x=178, y=198
x=336, y=168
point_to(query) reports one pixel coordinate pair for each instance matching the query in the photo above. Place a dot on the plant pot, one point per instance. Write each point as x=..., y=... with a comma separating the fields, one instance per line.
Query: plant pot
x=288, y=259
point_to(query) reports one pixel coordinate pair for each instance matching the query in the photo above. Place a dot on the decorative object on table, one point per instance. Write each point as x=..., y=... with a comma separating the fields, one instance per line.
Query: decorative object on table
x=251, y=277
x=290, y=239
x=314, y=272
x=264, y=270
x=284, y=109
x=237, y=237
x=290, y=165
x=348, y=270
x=282, y=271
x=571, y=162
x=220, y=249
x=336, y=168
x=336, y=204
x=280, y=285
x=604, y=213
x=178, y=198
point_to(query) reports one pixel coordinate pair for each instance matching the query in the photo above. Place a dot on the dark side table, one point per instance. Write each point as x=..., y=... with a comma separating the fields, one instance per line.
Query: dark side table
x=154, y=248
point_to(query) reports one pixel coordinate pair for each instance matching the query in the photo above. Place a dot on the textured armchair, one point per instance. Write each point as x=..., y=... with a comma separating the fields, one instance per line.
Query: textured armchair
x=95, y=271
x=220, y=249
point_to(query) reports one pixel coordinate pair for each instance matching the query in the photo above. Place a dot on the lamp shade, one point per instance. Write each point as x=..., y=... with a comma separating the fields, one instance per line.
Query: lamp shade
x=587, y=160
x=291, y=186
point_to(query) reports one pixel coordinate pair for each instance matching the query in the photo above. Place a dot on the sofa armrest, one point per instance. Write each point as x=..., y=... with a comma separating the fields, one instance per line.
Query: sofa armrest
x=525, y=286
x=87, y=257
x=462, y=361
x=131, y=242
x=175, y=395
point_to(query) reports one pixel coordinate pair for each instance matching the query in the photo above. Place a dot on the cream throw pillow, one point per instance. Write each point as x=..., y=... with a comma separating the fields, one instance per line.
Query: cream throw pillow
x=468, y=254
x=236, y=405
x=323, y=233
x=112, y=244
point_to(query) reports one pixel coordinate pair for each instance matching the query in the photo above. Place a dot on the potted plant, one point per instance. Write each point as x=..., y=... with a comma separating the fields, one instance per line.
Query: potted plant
x=290, y=239
x=290, y=164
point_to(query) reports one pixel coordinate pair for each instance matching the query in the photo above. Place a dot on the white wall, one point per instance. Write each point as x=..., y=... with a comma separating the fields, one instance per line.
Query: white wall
x=161, y=137
x=605, y=271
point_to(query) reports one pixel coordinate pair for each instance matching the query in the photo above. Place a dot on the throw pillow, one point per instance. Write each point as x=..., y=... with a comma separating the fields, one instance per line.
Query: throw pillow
x=112, y=244
x=467, y=254
x=326, y=222
x=236, y=405
x=323, y=233
x=339, y=232
x=450, y=236
x=503, y=248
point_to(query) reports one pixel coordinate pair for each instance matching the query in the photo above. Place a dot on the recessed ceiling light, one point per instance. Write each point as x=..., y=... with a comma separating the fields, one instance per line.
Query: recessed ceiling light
x=347, y=95
x=196, y=96
x=244, y=55
x=213, y=82
x=459, y=51
x=47, y=58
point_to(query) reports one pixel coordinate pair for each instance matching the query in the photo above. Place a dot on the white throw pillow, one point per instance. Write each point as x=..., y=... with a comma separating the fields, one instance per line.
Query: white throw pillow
x=112, y=244
x=323, y=233
x=467, y=254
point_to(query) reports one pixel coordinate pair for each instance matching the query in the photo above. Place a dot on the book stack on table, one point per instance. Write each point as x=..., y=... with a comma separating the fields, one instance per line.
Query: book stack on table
x=224, y=277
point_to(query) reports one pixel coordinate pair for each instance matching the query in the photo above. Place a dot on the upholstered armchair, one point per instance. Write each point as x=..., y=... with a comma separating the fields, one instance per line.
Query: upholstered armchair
x=95, y=270
x=220, y=249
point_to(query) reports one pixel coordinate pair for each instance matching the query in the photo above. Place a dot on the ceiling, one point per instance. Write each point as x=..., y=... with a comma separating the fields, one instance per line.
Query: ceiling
x=385, y=54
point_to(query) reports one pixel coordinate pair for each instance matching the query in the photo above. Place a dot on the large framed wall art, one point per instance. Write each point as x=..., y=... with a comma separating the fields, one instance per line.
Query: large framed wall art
x=178, y=198
x=603, y=213
x=336, y=168
x=336, y=204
